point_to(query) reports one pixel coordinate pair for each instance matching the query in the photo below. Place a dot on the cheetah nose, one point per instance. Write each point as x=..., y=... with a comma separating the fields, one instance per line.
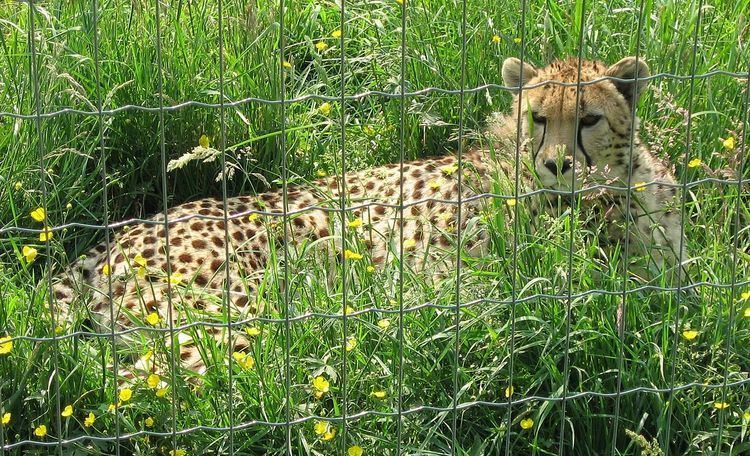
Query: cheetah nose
x=551, y=165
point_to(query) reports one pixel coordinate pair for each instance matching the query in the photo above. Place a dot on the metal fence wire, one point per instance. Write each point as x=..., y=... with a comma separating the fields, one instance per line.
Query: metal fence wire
x=345, y=417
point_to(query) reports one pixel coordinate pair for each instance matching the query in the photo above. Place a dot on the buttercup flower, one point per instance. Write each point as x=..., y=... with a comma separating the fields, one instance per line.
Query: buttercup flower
x=253, y=331
x=728, y=143
x=177, y=452
x=379, y=394
x=321, y=427
x=517, y=40
x=6, y=418
x=330, y=434
x=349, y=255
x=745, y=296
x=286, y=65
x=29, y=253
x=694, y=163
x=125, y=394
x=321, y=46
x=496, y=39
x=355, y=450
x=46, y=234
x=384, y=323
x=336, y=33
x=747, y=312
x=106, y=270
x=321, y=172
x=204, y=142
x=528, y=423
x=325, y=108
x=321, y=386
x=18, y=185
x=449, y=169
x=89, y=421
x=153, y=381
x=40, y=430
x=244, y=360
x=67, y=411
x=689, y=334
x=745, y=416
x=149, y=422
x=161, y=392
x=39, y=214
x=140, y=261
x=356, y=223
x=6, y=345
x=721, y=405
x=640, y=187
x=351, y=344
x=153, y=319
x=511, y=202
x=509, y=391
x=409, y=244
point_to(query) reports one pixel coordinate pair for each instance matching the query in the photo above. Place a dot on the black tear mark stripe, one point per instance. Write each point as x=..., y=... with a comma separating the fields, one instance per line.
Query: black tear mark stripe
x=541, y=143
x=586, y=155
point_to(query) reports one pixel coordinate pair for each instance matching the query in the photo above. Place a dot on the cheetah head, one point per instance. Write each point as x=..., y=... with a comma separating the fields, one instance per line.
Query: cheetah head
x=599, y=142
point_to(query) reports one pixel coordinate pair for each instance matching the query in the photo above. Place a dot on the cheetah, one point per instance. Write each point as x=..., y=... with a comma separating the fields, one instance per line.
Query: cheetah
x=206, y=255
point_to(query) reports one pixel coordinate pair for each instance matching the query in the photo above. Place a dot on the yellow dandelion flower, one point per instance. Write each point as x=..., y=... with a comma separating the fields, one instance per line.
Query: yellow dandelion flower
x=253, y=331
x=153, y=319
x=384, y=323
x=321, y=427
x=204, y=142
x=286, y=65
x=153, y=381
x=40, y=430
x=356, y=223
x=46, y=234
x=325, y=108
x=330, y=434
x=409, y=244
x=18, y=185
x=355, y=450
x=351, y=344
x=161, y=392
x=435, y=184
x=140, y=261
x=448, y=170
x=29, y=253
x=6, y=345
x=149, y=422
x=244, y=360
x=106, y=270
x=371, y=268
x=350, y=255
x=511, y=202
x=336, y=33
x=689, y=334
x=517, y=40
x=721, y=405
x=67, y=411
x=509, y=391
x=6, y=418
x=90, y=419
x=728, y=143
x=321, y=46
x=321, y=386
x=528, y=423
x=177, y=452
x=694, y=163
x=39, y=214
x=640, y=187
x=379, y=394
x=496, y=39
x=321, y=172
x=125, y=394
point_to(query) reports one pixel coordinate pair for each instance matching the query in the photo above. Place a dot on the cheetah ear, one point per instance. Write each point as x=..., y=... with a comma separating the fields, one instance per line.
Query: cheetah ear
x=629, y=68
x=512, y=74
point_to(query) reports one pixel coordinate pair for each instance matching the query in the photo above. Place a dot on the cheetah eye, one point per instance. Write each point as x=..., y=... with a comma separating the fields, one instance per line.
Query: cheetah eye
x=538, y=119
x=590, y=120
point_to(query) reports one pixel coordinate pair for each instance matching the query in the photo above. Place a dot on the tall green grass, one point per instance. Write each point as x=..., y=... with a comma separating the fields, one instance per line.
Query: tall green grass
x=654, y=352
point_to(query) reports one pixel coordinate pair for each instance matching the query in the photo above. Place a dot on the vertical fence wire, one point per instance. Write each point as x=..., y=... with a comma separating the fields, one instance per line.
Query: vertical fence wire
x=401, y=138
x=343, y=200
x=459, y=231
x=105, y=206
x=226, y=301
x=572, y=223
x=516, y=228
x=34, y=69
x=683, y=202
x=621, y=314
x=735, y=259
x=165, y=209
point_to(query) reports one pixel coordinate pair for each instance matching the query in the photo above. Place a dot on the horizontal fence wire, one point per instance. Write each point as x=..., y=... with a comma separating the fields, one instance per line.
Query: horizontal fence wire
x=359, y=96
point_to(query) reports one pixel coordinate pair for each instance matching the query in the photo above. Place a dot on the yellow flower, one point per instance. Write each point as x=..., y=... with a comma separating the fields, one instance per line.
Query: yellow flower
x=320, y=172
x=321, y=46
x=244, y=360
x=29, y=253
x=106, y=270
x=286, y=65
x=161, y=392
x=721, y=405
x=46, y=234
x=336, y=33
x=321, y=427
x=409, y=244
x=528, y=423
x=694, y=163
x=140, y=261
x=349, y=255
x=125, y=394
x=177, y=452
x=253, y=331
x=509, y=391
x=325, y=108
x=356, y=223
x=747, y=312
x=745, y=416
x=58, y=329
x=67, y=411
x=371, y=268
x=351, y=344
x=449, y=169
x=204, y=142
x=321, y=386
x=640, y=187
x=728, y=143
x=111, y=408
x=18, y=185
x=330, y=434
x=355, y=450
x=69, y=206
x=689, y=334
x=153, y=381
x=89, y=421
x=379, y=394
x=6, y=418
x=434, y=184
x=745, y=296
x=517, y=40
x=400, y=2
x=40, y=430
x=149, y=422
x=6, y=345
x=175, y=278
x=384, y=323
x=511, y=202
x=349, y=310
x=253, y=217
x=496, y=39
x=153, y=319
x=39, y=214
x=141, y=272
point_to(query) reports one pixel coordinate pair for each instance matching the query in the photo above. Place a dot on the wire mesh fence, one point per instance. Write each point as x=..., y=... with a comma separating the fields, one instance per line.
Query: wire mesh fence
x=450, y=309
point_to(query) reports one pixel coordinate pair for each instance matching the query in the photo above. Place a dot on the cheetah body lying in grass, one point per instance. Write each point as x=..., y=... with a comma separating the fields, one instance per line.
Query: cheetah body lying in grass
x=128, y=280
